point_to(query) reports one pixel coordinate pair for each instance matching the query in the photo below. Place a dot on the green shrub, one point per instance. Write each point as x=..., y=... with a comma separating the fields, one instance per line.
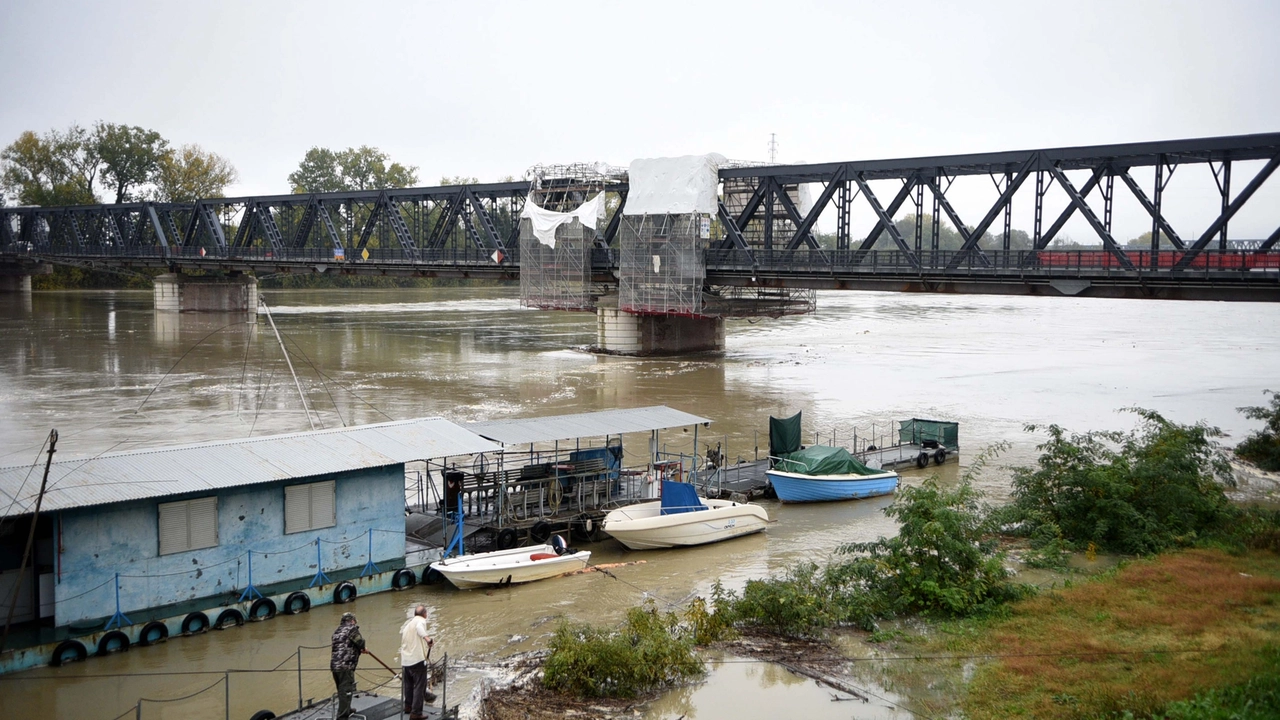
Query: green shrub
x=1158, y=487
x=648, y=652
x=943, y=561
x=1263, y=447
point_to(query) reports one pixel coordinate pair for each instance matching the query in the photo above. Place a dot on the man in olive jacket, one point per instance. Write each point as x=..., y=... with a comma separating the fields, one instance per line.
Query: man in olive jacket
x=348, y=646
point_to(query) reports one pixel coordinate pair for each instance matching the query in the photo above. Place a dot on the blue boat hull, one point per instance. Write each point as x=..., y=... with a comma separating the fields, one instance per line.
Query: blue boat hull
x=797, y=488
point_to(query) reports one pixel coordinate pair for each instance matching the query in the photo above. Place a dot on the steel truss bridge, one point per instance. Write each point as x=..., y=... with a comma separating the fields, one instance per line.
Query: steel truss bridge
x=472, y=231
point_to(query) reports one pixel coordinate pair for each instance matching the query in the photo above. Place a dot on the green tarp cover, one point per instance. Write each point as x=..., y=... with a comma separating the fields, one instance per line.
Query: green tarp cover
x=917, y=431
x=823, y=460
x=784, y=435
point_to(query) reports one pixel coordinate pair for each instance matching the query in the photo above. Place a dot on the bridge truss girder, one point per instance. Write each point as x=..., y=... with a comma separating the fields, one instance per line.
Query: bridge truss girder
x=844, y=183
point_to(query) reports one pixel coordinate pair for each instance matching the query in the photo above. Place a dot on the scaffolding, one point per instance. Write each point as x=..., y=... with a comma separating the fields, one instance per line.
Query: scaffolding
x=662, y=263
x=557, y=276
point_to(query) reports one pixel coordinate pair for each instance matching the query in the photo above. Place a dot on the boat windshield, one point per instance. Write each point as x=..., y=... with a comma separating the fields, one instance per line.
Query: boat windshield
x=678, y=497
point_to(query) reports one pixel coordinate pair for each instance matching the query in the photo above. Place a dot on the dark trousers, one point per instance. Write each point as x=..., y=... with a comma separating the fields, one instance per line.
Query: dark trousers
x=346, y=682
x=415, y=686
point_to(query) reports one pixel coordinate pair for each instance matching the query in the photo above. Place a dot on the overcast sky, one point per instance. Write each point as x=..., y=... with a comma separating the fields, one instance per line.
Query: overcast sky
x=487, y=89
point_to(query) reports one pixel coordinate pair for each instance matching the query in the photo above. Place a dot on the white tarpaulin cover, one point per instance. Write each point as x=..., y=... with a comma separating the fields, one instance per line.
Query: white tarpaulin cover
x=545, y=222
x=674, y=186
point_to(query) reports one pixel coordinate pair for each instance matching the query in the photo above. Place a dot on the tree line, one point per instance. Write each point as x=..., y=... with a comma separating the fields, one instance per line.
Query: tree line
x=108, y=162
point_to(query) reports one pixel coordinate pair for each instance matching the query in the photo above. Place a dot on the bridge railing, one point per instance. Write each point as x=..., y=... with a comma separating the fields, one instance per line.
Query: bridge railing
x=999, y=262
x=469, y=257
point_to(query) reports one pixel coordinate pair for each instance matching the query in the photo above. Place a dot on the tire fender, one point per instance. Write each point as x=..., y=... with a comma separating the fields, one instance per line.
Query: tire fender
x=152, y=633
x=345, y=592
x=112, y=642
x=229, y=618
x=262, y=609
x=68, y=651
x=403, y=579
x=195, y=623
x=297, y=602
x=922, y=460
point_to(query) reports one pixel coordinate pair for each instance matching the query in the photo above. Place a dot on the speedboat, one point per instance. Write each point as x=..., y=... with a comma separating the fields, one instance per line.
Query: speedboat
x=681, y=519
x=822, y=474
x=514, y=566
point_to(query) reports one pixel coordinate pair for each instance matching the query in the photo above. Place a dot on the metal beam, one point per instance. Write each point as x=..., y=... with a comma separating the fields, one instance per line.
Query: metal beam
x=1070, y=209
x=803, y=228
x=1011, y=187
x=903, y=193
x=886, y=220
x=1270, y=241
x=611, y=230
x=1232, y=209
x=1108, y=241
x=794, y=213
x=155, y=225
x=1150, y=208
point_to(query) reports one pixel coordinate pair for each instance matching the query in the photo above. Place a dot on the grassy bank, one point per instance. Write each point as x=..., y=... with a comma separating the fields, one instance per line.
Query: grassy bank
x=1155, y=631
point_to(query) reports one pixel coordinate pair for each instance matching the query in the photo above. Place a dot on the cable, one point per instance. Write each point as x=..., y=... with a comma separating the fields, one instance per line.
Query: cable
x=323, y=384
x=27, y=477
x=184, y=356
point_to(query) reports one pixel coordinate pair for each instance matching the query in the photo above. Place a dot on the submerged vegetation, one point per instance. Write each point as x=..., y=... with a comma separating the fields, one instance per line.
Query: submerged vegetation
x=1263, y=447
x=650, y=651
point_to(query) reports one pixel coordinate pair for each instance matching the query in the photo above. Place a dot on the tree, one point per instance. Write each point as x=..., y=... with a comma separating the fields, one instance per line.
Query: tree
x=191, y=173
x=130, y=156
x=363, y=168
x=58, y=168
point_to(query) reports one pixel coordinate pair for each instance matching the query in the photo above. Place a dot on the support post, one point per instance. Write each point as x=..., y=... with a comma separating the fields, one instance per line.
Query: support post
x=369, y=567
x=320, y=578
x=119, y=619
x=250, y=592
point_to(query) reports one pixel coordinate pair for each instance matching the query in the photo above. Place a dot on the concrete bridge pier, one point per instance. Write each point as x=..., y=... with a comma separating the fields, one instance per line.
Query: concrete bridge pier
x=622, y=333
x=12, y=284
x=237, y=292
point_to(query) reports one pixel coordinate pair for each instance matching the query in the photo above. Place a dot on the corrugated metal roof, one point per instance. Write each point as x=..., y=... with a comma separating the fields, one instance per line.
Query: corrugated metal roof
x=140, y=474
x=522, y=431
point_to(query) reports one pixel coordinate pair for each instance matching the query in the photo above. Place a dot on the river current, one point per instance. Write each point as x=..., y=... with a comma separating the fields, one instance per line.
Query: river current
x=111, y=374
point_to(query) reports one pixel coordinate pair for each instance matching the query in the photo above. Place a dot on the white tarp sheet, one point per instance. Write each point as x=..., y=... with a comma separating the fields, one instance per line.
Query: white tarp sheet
x=674, y=186
x=545, y=222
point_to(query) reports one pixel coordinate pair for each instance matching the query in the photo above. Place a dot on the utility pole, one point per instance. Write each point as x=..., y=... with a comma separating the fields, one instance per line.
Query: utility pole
x=31, y=537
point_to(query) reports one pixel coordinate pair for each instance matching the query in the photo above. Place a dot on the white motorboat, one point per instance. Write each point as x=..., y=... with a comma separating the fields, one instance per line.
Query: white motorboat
x=682, y=519
x=510, y=567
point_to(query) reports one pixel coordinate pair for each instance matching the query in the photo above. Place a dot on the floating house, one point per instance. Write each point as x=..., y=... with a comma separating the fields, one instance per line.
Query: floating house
x=133, y=547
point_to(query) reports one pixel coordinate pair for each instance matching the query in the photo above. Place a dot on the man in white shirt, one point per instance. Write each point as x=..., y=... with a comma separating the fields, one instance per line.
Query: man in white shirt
x=415, y=646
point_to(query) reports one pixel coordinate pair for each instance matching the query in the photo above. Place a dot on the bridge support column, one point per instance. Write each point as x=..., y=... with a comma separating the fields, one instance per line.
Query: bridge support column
x=13, y=284
x=622, y=333
x=187, y=293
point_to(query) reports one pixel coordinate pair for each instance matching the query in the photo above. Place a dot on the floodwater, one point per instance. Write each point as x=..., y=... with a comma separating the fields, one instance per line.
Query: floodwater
x=111, y=374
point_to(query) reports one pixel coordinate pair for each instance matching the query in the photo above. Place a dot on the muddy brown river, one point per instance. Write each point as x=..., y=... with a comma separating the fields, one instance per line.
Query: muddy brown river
x=85, y=363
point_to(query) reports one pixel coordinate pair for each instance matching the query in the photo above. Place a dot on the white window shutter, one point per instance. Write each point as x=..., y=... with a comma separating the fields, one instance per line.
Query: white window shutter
x=203, y=516
x=323, y=506
x=188, y=525
x=297, y=508
x=173, y=528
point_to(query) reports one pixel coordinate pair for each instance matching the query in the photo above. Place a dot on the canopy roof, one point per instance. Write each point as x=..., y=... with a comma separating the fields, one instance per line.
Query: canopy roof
x=522, y=431
x=142, y=474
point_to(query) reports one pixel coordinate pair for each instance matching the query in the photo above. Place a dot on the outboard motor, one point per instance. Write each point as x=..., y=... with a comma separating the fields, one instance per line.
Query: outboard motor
x=559, y=545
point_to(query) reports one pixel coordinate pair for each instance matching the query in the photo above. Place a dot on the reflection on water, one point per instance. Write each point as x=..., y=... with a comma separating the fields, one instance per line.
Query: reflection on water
x=738, y=688
x=86, y=362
